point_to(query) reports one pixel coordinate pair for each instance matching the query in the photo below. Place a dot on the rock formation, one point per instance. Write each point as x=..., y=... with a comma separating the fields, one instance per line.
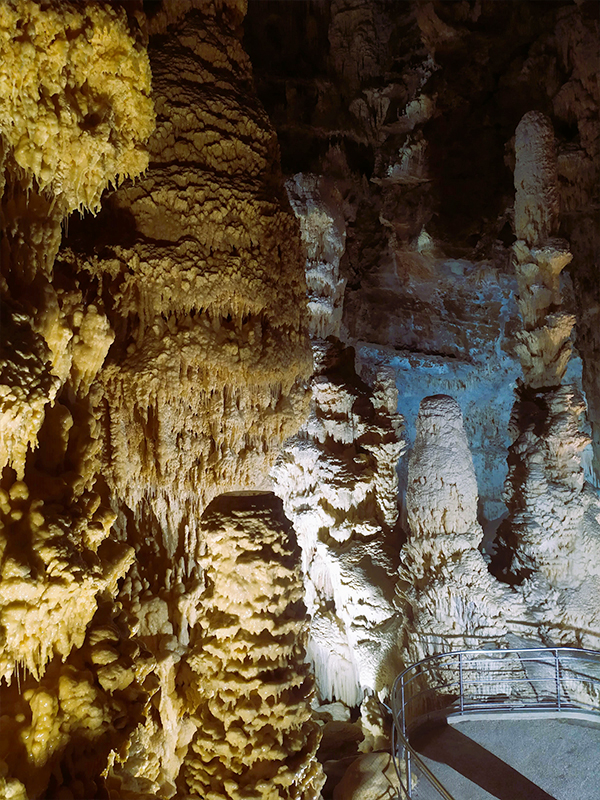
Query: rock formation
x=255, y=736
x=323, y=233
x=154, y=363
x=448, y=598
x=345, y=179
x=74, y=116
x=552, y=536
x=412, y=123
x=545, y=343
x=338, y=478
x=338, y=481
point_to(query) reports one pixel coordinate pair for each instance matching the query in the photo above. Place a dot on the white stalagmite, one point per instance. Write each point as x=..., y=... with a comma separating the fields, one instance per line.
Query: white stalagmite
x=551, y=540
x=338, y=481
x=449, y=599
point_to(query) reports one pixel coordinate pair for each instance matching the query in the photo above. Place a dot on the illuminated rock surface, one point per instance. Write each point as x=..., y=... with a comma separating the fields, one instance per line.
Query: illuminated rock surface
x=255, y=737
x=338, y=481
x=449, y=599
x=157, y=355
x=74, y=116
x=112, y=456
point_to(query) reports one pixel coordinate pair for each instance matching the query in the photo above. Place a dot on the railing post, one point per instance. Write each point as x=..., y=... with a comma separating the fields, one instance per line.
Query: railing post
x=406, y=750
x=557, y=679
x=460, y=682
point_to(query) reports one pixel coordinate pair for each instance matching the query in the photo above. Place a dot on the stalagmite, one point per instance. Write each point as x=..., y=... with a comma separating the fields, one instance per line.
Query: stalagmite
x=449, y=599
x=338, y=481
x=256, y=739
x=544, y=346
x=550, y=543
x=323, y=234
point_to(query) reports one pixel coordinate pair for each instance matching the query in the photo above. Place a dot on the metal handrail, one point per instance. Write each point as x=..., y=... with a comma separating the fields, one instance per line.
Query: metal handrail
x=461, y=683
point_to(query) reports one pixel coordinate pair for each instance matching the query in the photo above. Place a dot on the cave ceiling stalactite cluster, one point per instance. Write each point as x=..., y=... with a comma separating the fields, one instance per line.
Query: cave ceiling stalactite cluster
x=307, y=390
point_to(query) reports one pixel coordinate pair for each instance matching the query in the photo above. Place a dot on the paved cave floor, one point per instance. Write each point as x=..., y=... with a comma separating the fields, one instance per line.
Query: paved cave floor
x=513, y=759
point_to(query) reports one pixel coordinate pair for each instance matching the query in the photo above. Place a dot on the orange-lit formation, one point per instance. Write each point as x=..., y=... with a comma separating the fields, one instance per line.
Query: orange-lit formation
x=306, y=390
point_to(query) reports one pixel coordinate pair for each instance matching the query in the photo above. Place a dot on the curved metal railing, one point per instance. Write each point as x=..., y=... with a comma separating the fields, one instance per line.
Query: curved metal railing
x=476, y=682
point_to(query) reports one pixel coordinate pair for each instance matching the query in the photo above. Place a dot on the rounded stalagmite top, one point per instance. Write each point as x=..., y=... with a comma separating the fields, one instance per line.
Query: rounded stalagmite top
x=441, y=494
x=537, y=200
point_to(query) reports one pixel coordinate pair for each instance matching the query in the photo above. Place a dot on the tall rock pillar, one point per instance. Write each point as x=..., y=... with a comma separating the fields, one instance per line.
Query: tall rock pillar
x=256, y=738
x=550, y=544
x=449, y=599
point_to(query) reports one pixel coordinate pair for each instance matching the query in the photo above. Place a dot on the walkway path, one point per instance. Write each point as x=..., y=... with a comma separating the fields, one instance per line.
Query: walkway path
x=513, y=759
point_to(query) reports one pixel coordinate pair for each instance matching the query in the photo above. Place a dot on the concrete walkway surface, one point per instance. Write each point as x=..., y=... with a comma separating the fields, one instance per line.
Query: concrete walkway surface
x=512, y=759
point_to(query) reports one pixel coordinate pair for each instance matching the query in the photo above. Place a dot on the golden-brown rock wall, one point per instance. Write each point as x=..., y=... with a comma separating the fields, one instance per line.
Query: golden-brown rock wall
x=158, y=360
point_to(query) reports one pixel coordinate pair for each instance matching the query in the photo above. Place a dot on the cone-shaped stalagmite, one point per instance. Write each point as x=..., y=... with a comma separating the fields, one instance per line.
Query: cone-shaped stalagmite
x=256, y=739
x=450, y=600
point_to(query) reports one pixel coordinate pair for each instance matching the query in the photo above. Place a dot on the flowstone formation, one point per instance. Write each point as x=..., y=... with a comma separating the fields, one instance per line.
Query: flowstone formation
x=448, y=598
x=338, y=481
x=75, y=113
x=203, y=264
x=551, y=540
x=159, y=360
x=256, y=739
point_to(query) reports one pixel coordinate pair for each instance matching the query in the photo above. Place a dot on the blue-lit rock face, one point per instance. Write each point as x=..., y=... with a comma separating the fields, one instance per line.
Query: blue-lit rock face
x=413, y=122
x=458, y=340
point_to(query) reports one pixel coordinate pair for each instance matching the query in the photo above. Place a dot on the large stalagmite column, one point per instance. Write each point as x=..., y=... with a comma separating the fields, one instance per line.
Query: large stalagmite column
x=450, y=600
x=550, y=543
x=544, y=345
x=338, y=482
x=256, y=739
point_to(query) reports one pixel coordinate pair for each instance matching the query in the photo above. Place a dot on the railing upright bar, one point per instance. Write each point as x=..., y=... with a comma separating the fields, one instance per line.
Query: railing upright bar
x=557, y=678
x=460, y=680
x=406, y=750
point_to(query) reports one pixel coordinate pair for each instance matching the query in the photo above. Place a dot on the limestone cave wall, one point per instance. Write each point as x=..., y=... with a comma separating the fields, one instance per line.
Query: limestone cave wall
x=306, y=390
